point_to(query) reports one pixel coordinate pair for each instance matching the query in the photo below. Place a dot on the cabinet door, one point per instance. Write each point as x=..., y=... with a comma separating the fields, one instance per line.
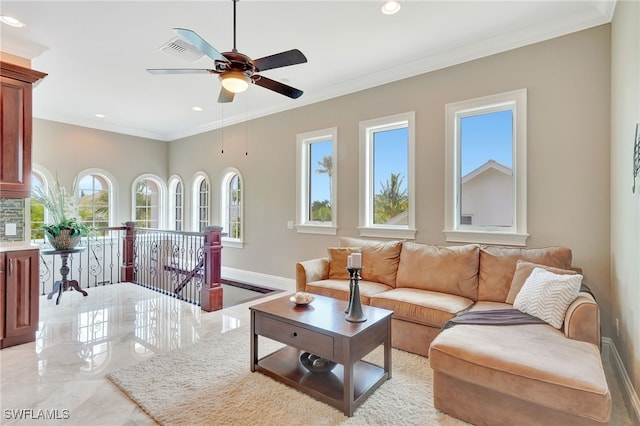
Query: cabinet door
x=15, y=145
x=21, y=292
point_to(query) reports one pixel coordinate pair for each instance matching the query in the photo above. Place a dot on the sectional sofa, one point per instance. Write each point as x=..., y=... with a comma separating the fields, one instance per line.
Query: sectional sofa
x=527, y=373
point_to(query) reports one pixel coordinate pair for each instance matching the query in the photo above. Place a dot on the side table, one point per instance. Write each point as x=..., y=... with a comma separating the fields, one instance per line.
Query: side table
x=64, y=284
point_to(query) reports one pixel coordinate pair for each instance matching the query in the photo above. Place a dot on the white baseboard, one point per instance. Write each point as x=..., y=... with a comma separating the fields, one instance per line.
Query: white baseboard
x=609, y=349
x=269, y=281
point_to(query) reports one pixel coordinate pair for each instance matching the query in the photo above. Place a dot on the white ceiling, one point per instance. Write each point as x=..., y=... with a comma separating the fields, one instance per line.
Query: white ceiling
x=97, y=53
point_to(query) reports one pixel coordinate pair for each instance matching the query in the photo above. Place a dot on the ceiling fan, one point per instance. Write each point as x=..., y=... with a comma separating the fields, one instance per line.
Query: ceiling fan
x=237, y=70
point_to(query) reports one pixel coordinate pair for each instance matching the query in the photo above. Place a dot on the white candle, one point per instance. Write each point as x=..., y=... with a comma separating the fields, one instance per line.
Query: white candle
x=349, y=261
x=356, y=260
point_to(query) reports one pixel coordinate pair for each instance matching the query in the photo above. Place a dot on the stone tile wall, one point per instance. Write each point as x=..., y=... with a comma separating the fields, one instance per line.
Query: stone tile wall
x=12, y=210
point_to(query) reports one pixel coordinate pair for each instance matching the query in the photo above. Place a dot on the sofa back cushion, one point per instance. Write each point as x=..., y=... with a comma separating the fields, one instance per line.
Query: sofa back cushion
x=379, y=259
x=338, y=262
x=451, y=270
x=498, y=265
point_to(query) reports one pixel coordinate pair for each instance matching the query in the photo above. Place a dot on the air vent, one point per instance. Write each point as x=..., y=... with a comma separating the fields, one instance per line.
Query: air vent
x=181, y=49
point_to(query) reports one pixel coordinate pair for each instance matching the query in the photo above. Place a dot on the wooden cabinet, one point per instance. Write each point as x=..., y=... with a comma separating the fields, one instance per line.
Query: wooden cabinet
x=15, y=146
x=19, y=294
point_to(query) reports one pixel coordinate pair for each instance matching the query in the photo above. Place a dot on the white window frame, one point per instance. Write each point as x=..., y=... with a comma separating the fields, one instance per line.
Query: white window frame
x=162, y=187
x=367, y=186
x=515, y=235
x=112, y=188
x=195, y=200
x=303, y=171
x=174, y=181
x=227, y=175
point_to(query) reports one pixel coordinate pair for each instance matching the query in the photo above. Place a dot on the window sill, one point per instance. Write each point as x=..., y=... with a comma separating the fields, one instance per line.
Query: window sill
x=398, y=233
x=232, y=243
x=486, y=237
x=317, y=229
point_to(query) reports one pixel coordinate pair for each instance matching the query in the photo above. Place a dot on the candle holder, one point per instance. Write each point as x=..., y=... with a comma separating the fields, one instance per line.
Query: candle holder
x=354, y=307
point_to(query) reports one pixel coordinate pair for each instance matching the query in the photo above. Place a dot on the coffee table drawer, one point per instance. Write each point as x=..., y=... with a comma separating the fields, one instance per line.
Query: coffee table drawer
x=301, y=338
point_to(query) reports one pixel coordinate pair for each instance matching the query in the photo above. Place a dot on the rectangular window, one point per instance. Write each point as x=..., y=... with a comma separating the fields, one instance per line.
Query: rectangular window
x=317, y=182
x=387, y=177
x=486, y=170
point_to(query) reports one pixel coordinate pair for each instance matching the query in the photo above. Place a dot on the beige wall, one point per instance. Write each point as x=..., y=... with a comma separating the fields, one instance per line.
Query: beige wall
x=625, y=205
x=568, y=83
x=67, y=150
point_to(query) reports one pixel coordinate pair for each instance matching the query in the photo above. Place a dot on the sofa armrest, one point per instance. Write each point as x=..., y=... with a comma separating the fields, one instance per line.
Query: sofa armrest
x=582, y=320
x=311, y=270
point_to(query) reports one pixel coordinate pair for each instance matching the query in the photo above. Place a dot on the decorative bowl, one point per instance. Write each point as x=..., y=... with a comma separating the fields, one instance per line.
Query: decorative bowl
x=315, y=363
x=301, y=298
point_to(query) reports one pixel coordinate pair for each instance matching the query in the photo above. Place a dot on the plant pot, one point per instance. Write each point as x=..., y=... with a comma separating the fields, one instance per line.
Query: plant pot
x=63, y=240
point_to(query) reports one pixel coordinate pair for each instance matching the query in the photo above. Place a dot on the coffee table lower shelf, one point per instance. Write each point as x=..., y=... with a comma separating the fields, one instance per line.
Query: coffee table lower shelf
x=284, y=365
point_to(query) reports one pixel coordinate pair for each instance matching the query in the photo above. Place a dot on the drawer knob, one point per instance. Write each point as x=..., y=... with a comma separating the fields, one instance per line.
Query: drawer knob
x=294, y=334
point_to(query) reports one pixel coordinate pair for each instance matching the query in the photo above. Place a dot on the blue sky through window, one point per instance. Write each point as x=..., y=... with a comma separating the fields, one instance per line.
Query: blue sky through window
x=390, y=155
x=484, y=137
x=319, y=183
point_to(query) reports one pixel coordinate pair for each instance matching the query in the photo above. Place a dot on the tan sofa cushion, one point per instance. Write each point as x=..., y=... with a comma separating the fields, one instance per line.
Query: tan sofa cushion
x=339, y=289
x=338, y=261
x=498, y=265
x=421, y=306
x=452, y=270
x=379, y=259
x=566, y=375
x=523, y=270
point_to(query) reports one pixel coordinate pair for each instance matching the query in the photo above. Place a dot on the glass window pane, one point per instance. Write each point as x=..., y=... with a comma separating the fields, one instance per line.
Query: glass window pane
x=37, y=209
x=390, y=170
x=320, y=174
x=486, y=175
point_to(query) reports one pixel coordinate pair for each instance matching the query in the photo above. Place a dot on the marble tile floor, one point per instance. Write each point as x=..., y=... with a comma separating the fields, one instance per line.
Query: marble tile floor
x=63, y=373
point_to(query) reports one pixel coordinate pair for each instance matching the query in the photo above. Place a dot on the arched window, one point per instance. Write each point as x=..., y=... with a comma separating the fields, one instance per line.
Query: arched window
x=231, y=213
x=176, y=204
x=201, y=202
x=148, y=202
x=95, y=194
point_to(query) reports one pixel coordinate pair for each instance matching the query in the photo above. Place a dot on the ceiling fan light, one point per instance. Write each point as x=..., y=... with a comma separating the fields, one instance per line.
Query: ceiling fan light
x=235, y=82
x=390, y=7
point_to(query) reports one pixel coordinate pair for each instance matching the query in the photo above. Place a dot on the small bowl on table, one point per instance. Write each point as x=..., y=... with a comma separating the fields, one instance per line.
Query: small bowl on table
x=301, y=298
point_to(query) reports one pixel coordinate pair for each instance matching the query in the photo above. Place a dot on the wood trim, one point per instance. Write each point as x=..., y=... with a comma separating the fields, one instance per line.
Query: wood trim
x=20, y=73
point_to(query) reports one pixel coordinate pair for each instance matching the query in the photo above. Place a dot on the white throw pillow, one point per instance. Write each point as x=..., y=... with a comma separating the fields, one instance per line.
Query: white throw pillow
x=547, y=295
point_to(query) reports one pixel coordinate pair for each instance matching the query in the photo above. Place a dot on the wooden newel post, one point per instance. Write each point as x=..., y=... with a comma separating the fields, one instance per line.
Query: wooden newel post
x=211, y=292
x=127, y=268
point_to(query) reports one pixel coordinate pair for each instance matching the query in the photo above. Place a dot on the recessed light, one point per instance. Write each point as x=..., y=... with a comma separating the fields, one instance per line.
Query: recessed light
x=197, y=108
x=99, y=116
x=390, y=7
x=10, y=20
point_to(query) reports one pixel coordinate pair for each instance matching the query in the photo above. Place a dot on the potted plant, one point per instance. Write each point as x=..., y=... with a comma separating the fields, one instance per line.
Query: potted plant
x=65, y=230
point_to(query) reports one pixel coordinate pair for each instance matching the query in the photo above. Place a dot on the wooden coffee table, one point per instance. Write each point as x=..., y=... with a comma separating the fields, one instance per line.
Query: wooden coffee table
x=320, y=328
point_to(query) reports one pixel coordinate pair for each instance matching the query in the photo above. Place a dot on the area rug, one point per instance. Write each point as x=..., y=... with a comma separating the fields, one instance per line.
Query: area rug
x=210, y=383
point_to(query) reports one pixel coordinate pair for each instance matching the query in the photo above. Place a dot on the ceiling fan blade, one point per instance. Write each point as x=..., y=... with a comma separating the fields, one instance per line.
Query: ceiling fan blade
x=278, y=87
x=200, y=44
x=180, y=71
x=225, y=96
x=283, y=59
